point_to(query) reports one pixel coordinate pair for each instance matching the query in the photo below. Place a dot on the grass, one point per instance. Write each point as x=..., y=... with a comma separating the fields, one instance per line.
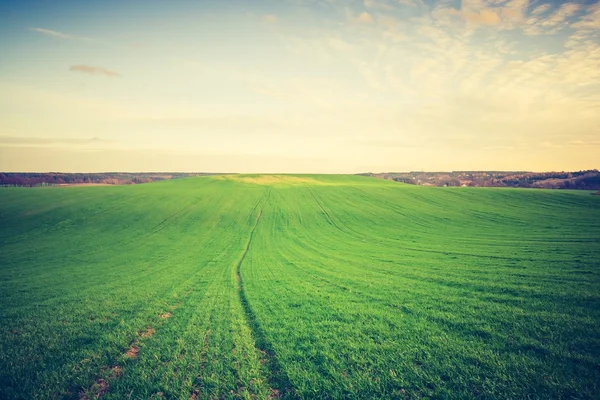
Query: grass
x=298, y=287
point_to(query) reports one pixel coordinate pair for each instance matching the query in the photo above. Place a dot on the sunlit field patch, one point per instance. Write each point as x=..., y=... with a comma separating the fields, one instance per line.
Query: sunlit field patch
x=290, y=180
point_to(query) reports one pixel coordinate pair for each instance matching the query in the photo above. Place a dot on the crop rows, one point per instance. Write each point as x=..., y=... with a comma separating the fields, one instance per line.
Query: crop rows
x=298, y=287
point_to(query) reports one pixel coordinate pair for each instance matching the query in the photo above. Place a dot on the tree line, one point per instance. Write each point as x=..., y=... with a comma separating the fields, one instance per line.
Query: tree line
x=31, y=179
x=586, y=179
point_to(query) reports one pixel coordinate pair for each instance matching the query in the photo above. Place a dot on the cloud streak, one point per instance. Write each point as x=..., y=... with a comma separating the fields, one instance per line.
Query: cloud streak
x=88, y=69
x=49, y=141
x=49, y=32
x=62, y=35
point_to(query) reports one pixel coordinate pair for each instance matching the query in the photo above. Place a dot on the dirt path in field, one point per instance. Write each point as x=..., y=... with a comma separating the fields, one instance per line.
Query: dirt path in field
x=278, y=381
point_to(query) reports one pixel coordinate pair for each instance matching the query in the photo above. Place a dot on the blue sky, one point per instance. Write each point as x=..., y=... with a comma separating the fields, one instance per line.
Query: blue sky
x=299, y=86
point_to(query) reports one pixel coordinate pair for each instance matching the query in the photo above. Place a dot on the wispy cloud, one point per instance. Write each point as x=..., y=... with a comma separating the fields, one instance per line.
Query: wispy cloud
x=394, y=77
x=541, y=9
x=585, y=143
x=364, y=18
x=49, y=32
x=270, y=19
x=378, y=5
x=62, y=35
x=480, y=13
x=88, y=69
x=49, y=141
x=483, y=17
x=591, y=20
x=387, y=143
x=541, y=22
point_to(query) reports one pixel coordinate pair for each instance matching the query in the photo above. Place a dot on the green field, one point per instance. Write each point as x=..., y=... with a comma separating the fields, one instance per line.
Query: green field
x=298, y=287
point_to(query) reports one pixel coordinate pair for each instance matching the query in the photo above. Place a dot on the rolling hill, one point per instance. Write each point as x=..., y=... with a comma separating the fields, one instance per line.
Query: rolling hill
x=298, y=286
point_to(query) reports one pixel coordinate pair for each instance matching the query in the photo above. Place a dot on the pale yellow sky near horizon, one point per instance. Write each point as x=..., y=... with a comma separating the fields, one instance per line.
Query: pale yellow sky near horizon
x=299, y=86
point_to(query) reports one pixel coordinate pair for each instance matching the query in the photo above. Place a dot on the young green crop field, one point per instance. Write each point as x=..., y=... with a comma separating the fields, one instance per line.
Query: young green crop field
x=298, y=287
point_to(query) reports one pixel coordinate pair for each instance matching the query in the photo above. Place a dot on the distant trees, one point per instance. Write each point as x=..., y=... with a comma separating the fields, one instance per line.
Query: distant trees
x=587, y=179
x=30, y=179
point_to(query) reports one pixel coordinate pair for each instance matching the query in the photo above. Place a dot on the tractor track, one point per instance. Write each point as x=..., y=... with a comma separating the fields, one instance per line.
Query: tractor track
x=278, y=381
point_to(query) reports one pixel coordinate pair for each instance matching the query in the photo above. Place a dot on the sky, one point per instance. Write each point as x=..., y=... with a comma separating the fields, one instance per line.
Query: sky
x=323, y=86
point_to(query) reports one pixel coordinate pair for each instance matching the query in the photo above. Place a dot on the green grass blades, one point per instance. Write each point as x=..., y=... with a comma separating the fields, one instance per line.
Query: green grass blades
x=281, y=286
